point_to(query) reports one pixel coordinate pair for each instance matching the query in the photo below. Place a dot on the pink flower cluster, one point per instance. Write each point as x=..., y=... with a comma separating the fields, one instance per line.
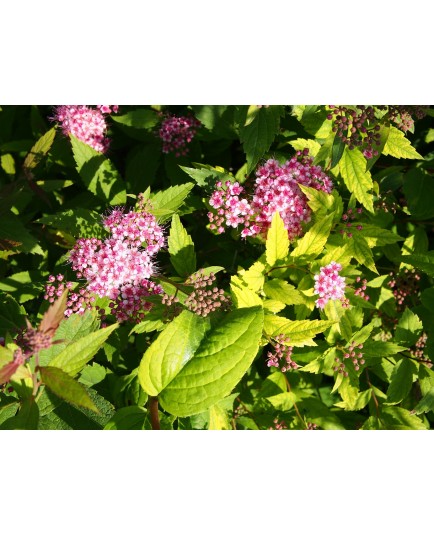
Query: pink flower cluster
x=276, y=189
x=120, y=266
x=85, y=123
x=78, y=302
x=177, y=132
x=354, y=355
x=329, y=285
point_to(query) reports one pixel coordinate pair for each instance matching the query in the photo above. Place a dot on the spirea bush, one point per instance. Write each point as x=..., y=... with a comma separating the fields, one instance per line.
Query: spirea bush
x=216, y=267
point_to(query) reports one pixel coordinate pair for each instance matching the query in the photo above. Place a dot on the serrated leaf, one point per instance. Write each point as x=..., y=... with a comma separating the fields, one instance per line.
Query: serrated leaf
x=299, y=144
x=218, y=365
x=171, y=351
x=401, y=381
x=399, y=146
x=312, y=243
x=396, y=418
x=243, y=296
x=254, y=276
x=78, y=222
x=277, y=245
x=75, y=356
x=258, y=135
x=298, y=330
x=360, y=250
x=422, y=262
x=206, y=176
x=130, y=418
x=65, y=387
x=92, y=374
x=139, y=118
x=98, y=173
x=378, y=349
x=408, y=329
x=426, y=403
x=320, y=202
x=26, y=419
x=352, y=167
x=39, y=150
x=282, y=291
x=375, y=236
x=167, y=202
x=181, y=248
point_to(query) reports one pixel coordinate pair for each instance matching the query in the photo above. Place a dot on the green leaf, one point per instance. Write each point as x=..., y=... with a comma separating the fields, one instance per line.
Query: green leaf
x=318, y=413
x=39, y=150
x=139, y=118
x=399, y=146
x=92, y=374
x=401, y=381
x=12, y=315
x=98, y=173
x=419, y=191
x=26, y=419
x=282, y=291
x=75, y=356
x=24, y=285
x=171, y=351
x=426, y=403
x=422, y=262
x=408, y=329
x=375, y=236
x=181, y=248
x=16, y=236
x=258, y=135
x=277, y=245
x=378, y=349
x=218, y=419
x=384, y=136
x=313, y=242
x=396, y=418
x=206, y=176
x=56, y=414
x=337, y=151
x=63, y=386
x=358, y=247
x=130, y=418
x=298, y=330
x=78, y=222
x=167, y=202
x=220, y=362
x=352, y=167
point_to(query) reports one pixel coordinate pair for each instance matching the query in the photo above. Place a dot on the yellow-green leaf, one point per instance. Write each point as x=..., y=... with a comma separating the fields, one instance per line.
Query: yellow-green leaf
x=399, y=146
x=277, y=245
x=352, y=167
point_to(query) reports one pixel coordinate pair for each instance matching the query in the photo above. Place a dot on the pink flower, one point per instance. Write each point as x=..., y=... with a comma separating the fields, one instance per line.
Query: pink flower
x=86, y=124
x=276, y=189
x=177, y=132
x=329, y=285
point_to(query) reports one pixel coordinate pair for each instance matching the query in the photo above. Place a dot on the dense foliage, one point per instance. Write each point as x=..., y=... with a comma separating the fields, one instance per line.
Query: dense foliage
x=216, y=267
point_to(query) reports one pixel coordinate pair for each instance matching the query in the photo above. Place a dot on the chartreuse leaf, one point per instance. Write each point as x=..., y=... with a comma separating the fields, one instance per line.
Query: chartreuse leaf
x=375, y=236
x=320, y=202
x=358, y=247
x=98, y=173
x=207, y=176
x=218, y=419
x=299, y=331
x=282, y=291
x=78, y=222
x=396, y=418
x=140, y=118
x=277, y=245
x=258, y=135
x=352, y=167
x=39, y=150
x=63, y=386
x=181, y=248
x=220, y=362
x=171, y=351
x=313, y=242
x=71, y=329
x=75, y=356
x=399, y=146
x=401, y=381
x=167, y=202
x=254, y=276
x=299, y=144
x=243, y=296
